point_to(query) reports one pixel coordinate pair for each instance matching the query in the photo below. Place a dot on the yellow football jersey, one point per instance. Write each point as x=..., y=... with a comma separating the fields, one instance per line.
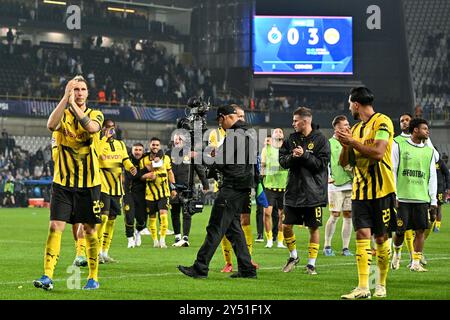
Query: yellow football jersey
x=373, y=179
x=113, y=157
x=216, y=138
x=158, y=188
x=76, y=155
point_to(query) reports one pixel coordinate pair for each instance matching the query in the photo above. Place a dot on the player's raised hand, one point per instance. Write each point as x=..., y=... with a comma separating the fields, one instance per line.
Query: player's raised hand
x=69, y=88
x=133, y=171
x=72, y=98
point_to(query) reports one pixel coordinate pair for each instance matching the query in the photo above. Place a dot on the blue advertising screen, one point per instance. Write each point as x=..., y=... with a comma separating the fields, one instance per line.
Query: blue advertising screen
x=294, y=45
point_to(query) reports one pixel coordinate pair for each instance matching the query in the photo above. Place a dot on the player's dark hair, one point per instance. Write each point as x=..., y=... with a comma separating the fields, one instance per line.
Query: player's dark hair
x=405, y=114
x=338, y=119
x=109, y=120
x=155, y=139
x=362, y=95
x=303, y=112
x=415, y=123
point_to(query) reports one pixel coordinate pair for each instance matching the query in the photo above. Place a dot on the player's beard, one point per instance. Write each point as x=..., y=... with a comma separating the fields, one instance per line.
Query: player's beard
x=355, y=115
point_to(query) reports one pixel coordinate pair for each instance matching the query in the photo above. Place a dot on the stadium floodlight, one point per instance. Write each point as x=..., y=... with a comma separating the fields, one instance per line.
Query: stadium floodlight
x=121, y=10
x=61, y=3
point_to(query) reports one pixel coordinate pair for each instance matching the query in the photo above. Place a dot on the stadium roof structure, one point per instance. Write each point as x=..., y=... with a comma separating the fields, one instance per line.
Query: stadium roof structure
x=163, y=5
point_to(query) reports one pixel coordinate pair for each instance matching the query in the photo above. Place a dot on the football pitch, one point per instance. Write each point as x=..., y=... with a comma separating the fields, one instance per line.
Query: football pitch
x=148, y=273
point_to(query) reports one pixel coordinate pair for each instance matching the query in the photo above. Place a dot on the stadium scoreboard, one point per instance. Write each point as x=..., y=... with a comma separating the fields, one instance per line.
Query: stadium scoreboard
x=295, y=45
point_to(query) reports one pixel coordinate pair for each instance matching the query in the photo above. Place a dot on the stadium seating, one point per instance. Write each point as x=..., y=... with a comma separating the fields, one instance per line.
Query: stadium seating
x=428, y=51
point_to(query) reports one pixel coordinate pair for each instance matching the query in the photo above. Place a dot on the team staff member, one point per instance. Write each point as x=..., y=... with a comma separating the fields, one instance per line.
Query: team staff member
x=443, y=179
x=238, y=179
x=181, y=173
x=367, y=147
x=76, y=179
x=339, y=193
x=306, y=153
x=134, y=199
x=275, y=180
x=113, y=157
x=414, y=170
x=160, y=186
x=404, y=121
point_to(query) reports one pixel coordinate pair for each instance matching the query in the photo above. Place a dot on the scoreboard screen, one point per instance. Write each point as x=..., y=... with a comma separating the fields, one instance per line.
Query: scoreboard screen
x=295, y=45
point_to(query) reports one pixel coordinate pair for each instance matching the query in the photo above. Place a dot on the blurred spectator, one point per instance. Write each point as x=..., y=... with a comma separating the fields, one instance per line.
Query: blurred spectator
x=101, y=96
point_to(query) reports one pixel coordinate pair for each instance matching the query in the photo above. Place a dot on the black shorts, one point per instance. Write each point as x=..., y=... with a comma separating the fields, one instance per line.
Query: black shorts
x=308, y=216
x=377, y=214
x=154, y=206
x=111, y=205
x=412, y=216
x=135, y=204
x=75, y=206
x=275, y=197
x=247, y=204
x=440, y=198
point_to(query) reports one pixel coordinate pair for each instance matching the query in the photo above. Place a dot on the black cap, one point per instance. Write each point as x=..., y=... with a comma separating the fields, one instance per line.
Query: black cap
x=225, y=110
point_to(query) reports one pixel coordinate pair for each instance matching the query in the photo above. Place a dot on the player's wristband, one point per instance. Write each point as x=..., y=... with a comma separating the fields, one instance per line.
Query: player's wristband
x=85, y=121
x=172, y=187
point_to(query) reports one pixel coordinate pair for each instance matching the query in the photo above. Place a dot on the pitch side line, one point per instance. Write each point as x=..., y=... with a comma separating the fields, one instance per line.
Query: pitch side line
x=144, y=275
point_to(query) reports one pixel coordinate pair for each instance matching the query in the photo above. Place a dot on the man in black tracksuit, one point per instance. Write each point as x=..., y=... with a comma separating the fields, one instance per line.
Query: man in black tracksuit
x=306, y=153
x=134, y=199
x=181, y=172
x=443, y=185
x=238, y=170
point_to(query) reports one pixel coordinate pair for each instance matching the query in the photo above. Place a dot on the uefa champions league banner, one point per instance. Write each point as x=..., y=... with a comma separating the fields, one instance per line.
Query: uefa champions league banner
x=43, y=109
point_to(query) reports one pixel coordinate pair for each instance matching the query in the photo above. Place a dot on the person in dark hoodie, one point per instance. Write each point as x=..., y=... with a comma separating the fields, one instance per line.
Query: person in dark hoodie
x=306, y=153
x=235, y=159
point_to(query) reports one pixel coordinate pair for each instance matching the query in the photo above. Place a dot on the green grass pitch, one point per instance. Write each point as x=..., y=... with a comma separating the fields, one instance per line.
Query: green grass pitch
x=150, y=273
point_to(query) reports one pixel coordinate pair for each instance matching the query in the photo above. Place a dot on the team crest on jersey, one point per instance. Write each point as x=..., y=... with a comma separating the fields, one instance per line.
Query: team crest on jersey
x=126, y=208
x=399, y=223
x=102, y=204
x=310, y=146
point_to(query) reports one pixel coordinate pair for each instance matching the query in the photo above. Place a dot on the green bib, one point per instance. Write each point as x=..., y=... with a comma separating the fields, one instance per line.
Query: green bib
x=339, y=175
x=276, y=176
x=413, y=172
x=400, y=138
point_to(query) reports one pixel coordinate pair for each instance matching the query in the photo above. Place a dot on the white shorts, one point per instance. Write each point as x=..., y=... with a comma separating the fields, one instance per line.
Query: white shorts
x=340, y=200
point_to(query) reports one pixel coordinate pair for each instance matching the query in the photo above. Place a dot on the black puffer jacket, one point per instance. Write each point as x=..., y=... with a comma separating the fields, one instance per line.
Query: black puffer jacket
x=235, y=174
x=307, y=184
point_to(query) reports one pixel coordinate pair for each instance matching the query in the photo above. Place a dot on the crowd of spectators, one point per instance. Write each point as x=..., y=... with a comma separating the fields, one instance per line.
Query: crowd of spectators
x=94, y=13
x=18, y=168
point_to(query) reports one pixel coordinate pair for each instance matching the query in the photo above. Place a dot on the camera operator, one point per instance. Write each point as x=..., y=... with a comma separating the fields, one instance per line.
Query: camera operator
x=181, y=172
x=238, y=179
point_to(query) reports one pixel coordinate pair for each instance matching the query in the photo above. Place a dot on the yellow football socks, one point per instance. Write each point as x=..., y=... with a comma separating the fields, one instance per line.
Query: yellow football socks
x=108, y=235
x=152, y=227
x=409, y=240
x=227, y=250
x=52, y=249
x=92, y=250
x=164, y=224
x=101, y=228
x=280, y=236
x=80, y=245
x=383, y=253
x=290, y=243
x=363, y=261
x=248, y=238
